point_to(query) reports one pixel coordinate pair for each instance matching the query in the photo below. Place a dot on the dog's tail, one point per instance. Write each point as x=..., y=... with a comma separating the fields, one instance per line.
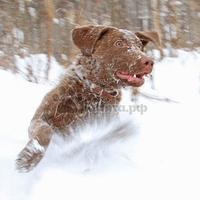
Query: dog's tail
x=35, y=149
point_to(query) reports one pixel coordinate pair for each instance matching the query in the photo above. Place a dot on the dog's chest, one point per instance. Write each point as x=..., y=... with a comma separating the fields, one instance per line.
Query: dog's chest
x=77, y=103
x=87, y=99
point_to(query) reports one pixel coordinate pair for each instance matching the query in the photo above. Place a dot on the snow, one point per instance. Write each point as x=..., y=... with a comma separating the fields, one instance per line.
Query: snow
x=159, y=159
x=18, y=34
x=36, y=146
x=32, y=12
x=38, y=64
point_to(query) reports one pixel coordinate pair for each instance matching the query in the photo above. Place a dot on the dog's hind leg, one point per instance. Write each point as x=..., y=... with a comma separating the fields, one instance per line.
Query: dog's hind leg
x=40, y=137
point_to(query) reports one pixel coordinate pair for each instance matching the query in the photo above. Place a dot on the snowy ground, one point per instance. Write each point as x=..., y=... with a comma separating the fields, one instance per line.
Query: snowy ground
x=160, y=159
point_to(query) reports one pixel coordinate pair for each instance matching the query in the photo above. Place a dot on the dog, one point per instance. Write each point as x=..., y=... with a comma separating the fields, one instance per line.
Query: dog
x=110, y=59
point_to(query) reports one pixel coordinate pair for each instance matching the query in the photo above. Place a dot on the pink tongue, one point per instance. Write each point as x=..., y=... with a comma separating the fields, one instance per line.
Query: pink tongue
x=129, y=78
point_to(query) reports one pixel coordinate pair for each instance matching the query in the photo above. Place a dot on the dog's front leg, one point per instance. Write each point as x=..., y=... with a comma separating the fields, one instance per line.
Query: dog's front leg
x=40, y=134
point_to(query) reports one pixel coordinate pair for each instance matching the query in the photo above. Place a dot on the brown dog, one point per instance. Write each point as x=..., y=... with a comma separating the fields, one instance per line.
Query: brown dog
x=111, y=59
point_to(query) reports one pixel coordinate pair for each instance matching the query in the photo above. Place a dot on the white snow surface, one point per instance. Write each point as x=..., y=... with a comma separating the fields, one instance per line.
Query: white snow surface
x=160, y=160
x=37, y=65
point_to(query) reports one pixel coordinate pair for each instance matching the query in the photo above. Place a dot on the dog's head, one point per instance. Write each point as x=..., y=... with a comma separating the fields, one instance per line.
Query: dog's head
x=117, y=54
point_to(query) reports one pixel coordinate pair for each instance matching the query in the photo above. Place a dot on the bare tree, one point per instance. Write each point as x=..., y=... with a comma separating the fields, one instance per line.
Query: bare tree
x=157, y=22
x=49, y=13
x=44, y=26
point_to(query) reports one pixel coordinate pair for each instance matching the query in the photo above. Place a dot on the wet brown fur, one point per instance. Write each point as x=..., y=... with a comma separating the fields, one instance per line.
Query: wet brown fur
x=90, y=85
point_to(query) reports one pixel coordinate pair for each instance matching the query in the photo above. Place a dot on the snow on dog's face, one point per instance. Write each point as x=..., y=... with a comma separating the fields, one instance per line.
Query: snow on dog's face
x=116, y=54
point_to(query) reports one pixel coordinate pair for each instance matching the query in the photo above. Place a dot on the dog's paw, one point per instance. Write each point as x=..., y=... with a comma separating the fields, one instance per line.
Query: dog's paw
x=30, y=156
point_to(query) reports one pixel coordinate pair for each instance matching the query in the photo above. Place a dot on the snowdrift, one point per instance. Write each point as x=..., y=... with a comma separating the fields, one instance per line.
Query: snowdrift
x=159, y=158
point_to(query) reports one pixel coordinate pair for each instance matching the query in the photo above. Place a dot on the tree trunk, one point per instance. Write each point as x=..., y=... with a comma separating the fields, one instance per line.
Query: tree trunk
x=157, y=22
x=49, y=13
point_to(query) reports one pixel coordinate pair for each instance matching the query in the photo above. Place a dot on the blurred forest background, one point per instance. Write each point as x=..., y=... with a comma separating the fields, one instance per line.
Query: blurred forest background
x=32, y=27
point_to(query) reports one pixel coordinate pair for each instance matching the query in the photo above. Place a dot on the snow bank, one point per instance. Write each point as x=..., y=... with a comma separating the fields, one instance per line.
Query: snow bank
x=35, y=66
x=160, y=159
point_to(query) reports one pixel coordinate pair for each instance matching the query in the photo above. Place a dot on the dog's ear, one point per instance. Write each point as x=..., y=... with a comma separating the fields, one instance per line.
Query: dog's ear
x=145, y=37
x=86, y=37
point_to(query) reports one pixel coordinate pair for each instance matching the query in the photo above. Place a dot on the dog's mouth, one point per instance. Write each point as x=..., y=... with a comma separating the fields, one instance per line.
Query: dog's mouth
x=135, y=80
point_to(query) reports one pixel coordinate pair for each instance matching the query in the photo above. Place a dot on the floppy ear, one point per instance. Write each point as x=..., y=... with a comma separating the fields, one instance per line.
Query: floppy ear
x=86, y=37
x=145, y=37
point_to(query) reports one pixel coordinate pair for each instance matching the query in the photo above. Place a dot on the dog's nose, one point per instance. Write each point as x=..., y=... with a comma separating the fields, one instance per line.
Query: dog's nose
x=147, y=62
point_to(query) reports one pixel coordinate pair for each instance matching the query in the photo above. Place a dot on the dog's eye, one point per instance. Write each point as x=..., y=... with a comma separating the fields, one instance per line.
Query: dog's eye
x=119, y=43
x=139, y=44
